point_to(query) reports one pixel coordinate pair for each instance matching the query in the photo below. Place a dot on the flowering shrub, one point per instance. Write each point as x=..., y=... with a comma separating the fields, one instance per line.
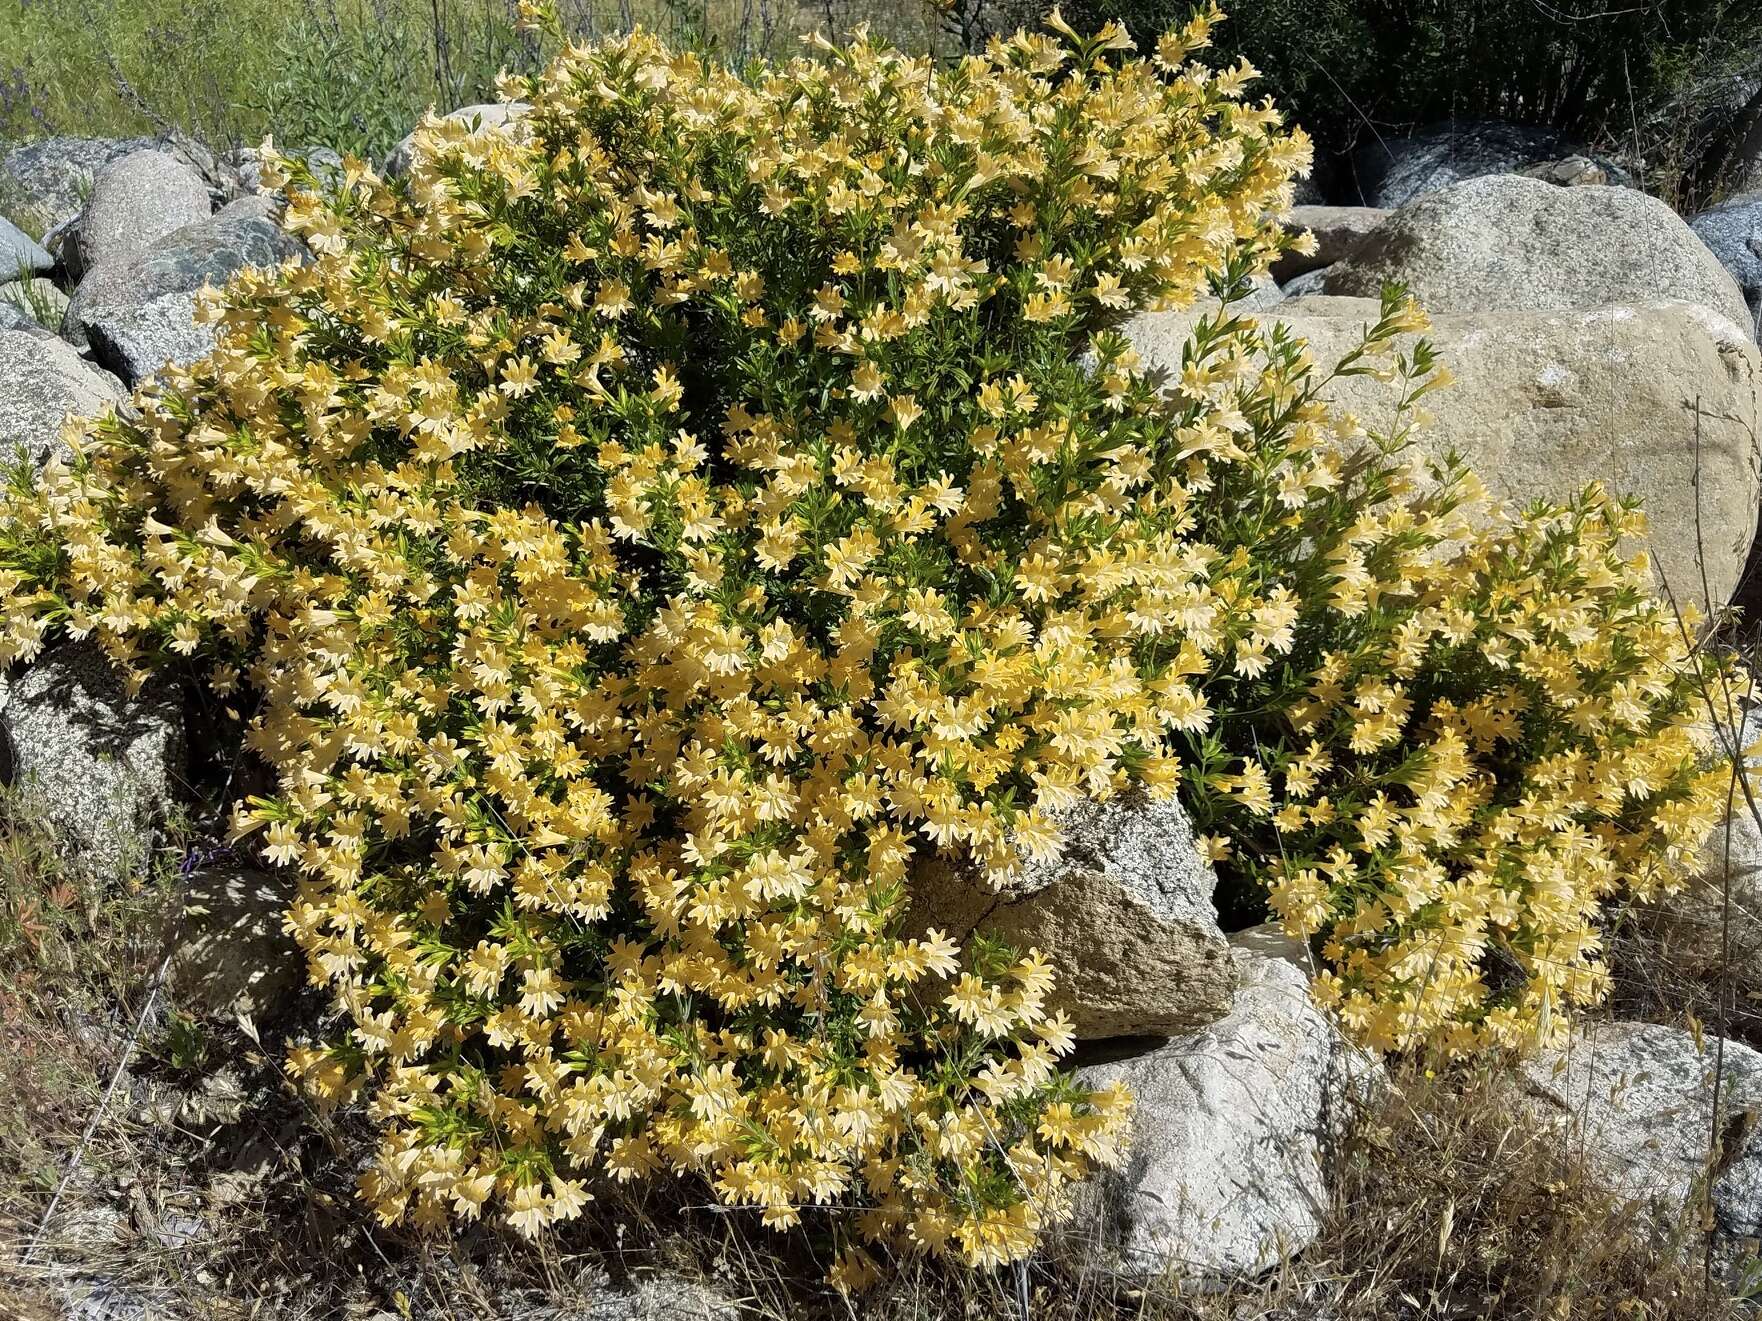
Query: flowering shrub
x=1494, y=727
x=643, y=532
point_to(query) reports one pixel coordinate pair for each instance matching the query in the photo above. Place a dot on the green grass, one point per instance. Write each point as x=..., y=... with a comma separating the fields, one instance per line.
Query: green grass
x=229, y=71
x=32, y=298
x=348, y=74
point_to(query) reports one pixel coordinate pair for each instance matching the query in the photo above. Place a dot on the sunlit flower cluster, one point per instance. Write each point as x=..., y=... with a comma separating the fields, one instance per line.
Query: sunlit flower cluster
x=639, y=536
x=1499, y=729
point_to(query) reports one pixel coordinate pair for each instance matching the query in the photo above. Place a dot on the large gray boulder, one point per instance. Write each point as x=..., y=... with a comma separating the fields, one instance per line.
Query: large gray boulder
x=21, y=256
x=1544, y=402
x=1123, y=913
x=100, y=765
x=136, y=200
x=136, y=316
x=1392, y=171
x=1225, y=1173
x=1504, y=242
x=1639, y=1097
x=492, y=115
x=1512, y=244
x=1338, y=232
x=45, y=181
x=1732, y=231
x=43, y=381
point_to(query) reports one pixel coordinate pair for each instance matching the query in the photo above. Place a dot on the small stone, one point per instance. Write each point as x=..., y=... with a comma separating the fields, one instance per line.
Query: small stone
x=14, y=316
x=40, y=301
x=1270, y=942
x=99, y=1298
x=1569, y=172
x=20, y=254
x=1306, y=285
x=180, y=1232
x=1263, y=297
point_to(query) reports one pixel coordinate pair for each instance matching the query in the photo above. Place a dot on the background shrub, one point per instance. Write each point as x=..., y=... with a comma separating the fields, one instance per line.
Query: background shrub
x=357, y=82
x=353, y=75
x=1658, y=81
x=349, y=74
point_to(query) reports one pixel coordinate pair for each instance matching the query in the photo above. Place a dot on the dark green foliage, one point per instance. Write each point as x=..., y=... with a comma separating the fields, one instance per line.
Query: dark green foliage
x=358, y=86
x=1655, y=79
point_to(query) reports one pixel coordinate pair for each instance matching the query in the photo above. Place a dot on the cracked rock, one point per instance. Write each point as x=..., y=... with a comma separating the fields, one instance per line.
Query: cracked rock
x=135, y=316
x=1123, y=913
x=1226, y=1173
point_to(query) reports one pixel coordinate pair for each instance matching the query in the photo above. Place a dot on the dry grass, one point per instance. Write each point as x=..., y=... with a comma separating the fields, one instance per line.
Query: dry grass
x=74, y=959
x=1679, y=961
x=1451, y=1201
x=210, y=1190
